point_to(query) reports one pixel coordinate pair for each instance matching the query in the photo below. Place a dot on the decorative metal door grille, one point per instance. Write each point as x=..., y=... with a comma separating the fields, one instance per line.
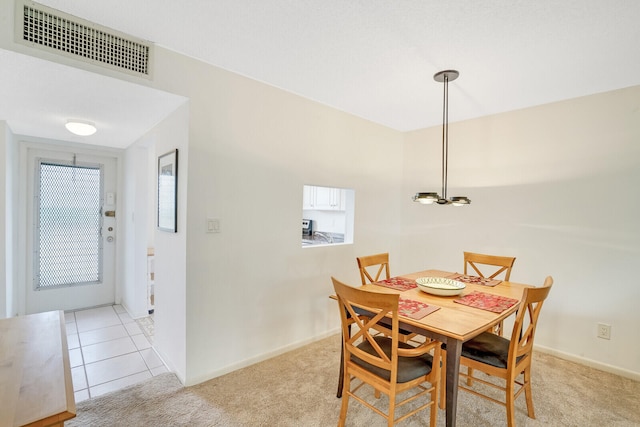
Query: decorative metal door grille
x=68, y=221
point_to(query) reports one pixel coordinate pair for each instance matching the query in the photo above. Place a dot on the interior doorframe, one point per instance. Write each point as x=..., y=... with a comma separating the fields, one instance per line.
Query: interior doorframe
x=23, y=221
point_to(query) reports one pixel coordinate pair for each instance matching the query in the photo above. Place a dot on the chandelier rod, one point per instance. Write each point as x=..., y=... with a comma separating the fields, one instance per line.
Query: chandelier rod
x=428, y=198
x=445, y=136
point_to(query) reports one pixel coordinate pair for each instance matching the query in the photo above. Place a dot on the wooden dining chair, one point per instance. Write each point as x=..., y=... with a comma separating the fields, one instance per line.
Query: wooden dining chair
x=490, y=267
x=483, y=265
x=372, y=266
x=507, y=359
x=384, y=363
x=371, y=269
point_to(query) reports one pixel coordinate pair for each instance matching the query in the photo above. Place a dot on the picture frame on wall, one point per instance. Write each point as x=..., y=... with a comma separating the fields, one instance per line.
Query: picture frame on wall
x=168, y=191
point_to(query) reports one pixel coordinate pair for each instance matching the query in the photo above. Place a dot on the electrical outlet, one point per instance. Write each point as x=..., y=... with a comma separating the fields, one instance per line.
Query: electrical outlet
x=604, y=331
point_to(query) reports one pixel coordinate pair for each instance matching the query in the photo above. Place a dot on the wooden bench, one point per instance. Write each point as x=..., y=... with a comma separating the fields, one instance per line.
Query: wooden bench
x=35, y=375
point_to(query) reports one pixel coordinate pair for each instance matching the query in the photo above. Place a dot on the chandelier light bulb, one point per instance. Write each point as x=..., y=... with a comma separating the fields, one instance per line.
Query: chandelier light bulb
x=426, y=198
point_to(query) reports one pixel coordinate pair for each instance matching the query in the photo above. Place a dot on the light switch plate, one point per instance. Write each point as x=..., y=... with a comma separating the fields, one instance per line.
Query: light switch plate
x=213, y=225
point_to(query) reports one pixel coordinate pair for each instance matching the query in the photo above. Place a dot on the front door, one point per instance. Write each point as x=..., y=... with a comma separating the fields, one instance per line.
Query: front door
x=71, y=231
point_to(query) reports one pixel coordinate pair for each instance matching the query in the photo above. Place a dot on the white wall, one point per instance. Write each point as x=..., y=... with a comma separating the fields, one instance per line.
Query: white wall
x=139, y=218
x=5, y=225
x=251, y=290
x=246, y=149
x=557, y=187
x=171, y=254
x=11, y=234
x=9, y=304
x=135, y=218
x=140, y=233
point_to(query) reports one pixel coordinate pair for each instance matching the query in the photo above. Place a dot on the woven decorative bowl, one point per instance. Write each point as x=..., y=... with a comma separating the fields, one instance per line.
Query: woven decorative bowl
x=440, y=286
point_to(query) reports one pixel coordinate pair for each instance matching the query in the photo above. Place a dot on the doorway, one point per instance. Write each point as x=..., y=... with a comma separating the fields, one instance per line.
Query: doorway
x=71, y=230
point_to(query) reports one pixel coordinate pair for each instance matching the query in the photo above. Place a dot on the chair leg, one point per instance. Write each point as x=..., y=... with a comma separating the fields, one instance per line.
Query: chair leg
x=511, y=420
x=391, y=416
x=433, y=416
x=469, y=377
x=341, y=374
x=527, y=392
x=443, y=381
x=345, y=402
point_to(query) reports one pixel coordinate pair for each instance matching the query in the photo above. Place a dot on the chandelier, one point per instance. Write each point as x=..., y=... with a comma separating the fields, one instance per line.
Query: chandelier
x=430, y=198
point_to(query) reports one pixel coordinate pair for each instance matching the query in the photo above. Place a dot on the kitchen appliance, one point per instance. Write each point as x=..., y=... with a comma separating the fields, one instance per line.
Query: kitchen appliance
x=307, y=228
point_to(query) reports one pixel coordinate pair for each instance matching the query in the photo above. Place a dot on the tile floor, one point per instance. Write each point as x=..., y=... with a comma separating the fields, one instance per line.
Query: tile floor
x=108, y=351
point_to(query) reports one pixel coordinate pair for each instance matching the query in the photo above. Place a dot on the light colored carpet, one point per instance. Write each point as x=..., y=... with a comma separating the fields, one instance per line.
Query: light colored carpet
x=298, y=389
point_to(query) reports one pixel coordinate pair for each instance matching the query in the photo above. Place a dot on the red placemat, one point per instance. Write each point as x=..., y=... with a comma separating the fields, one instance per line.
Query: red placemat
x=415, y=309
x=397, y=283
x=474, y=279
x=489, y=302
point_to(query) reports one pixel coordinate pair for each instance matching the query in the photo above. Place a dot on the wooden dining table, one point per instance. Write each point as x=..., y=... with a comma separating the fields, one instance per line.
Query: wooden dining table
x=452, y=323
x=36, y=389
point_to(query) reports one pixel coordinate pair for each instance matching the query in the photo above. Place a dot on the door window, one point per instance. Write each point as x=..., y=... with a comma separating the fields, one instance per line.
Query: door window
x=68, y=222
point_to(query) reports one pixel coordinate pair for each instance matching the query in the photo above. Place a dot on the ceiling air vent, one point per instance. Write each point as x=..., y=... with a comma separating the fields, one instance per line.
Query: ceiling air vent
x=54, y=31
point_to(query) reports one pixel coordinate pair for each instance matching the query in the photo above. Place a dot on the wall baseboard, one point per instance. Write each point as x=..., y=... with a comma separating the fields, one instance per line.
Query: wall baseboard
x=260, y=358
x=590, y=363
x=560, y=354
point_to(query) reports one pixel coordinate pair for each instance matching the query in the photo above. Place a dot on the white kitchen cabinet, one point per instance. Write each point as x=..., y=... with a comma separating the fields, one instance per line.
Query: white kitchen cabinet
x=307, y=197
x=323, y=198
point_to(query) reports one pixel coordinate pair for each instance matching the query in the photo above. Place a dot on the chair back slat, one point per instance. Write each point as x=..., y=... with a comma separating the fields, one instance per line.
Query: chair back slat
x=479, y=263
x=374, y=268
x=380, y=264
x=524, y=327
x=364, y=327
x=352, y=302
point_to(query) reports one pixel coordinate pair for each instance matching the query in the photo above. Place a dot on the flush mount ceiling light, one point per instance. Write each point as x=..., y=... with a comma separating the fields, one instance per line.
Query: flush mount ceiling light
x=81, y=127
x=429, y=198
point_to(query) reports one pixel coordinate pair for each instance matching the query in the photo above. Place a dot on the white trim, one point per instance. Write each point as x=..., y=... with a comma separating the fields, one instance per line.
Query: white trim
x=589, y=362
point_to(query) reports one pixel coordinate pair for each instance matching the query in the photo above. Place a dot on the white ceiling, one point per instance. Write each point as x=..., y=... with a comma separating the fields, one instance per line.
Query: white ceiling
x=38, y=97
x=371, y=58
